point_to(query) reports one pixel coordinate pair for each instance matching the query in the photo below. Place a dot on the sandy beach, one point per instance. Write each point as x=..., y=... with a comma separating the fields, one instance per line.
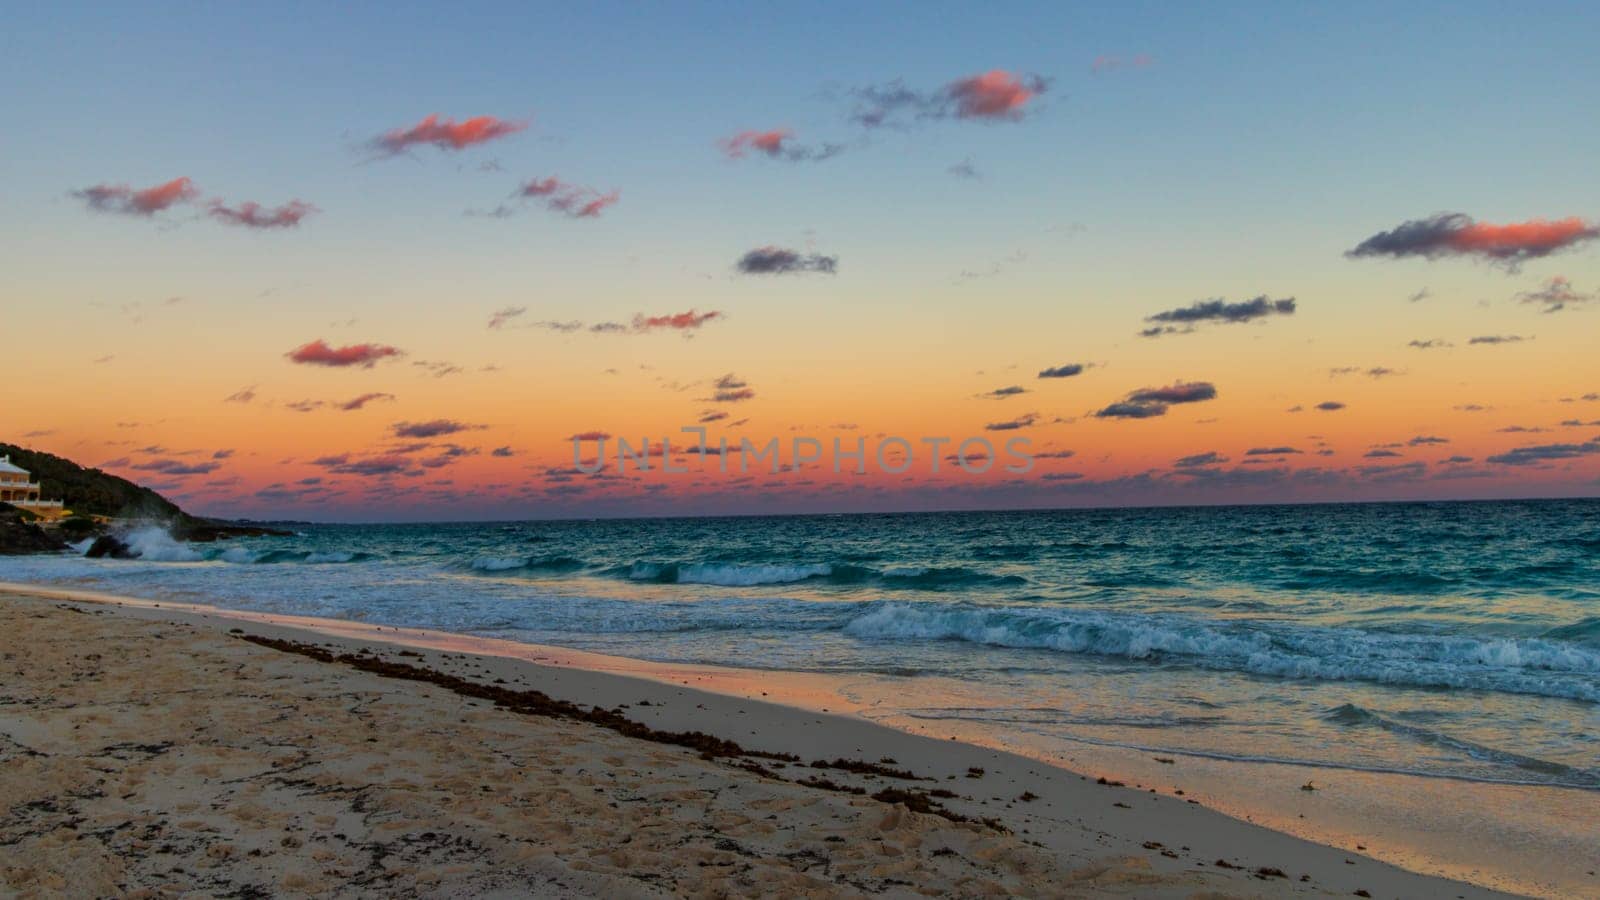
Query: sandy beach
x=152, y=751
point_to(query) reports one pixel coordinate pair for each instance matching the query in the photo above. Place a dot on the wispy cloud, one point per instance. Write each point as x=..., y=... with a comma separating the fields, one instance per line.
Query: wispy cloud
x=1108, y=62
x=573, y=200
x=1498, y=339
x=965, y=169
x=1020, y=422
x=502, y=316
x=777, y=143
x=1555, y=295
x=361, y=402
x=731, y=388
x=254, y=215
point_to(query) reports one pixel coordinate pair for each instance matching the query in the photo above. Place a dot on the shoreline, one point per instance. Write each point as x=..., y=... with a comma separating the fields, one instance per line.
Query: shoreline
x=1071, y=818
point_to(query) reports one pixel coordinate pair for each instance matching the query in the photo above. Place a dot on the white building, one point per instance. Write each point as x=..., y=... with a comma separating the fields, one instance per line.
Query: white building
x=17, y=490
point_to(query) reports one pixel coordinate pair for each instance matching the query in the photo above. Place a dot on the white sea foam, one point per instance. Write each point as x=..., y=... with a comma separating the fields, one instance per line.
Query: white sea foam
x=729, y=575
x=498, y=563
x=1512, y=665
x=238, y=555
x=152, y=543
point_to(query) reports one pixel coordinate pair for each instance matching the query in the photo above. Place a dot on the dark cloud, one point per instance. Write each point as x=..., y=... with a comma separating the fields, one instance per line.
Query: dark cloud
x=367, y=467
x=1004, y=392
x=1498, y=339
x=1398, y=472
x=1023, y=421
x=1184, y=319
x=502, y=452
x=1125, y=410
x=1330, y=406
x=1381, y=454
x=1064, y=371
x=1457, y=234
x=1181, y=392
x=432, y=429
x=1542, y=453
x=780, y=261
x=1271, y=451
x=1147, y=403
x=176, y=467
x=1209, y=458
x=731, y=388
x=1429, y=344
x=1426, y=439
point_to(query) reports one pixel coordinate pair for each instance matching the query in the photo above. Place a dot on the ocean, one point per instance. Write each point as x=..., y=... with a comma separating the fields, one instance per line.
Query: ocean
x=1443, y=640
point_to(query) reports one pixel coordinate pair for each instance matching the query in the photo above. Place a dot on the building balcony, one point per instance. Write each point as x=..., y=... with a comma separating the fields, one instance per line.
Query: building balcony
x=35, y=504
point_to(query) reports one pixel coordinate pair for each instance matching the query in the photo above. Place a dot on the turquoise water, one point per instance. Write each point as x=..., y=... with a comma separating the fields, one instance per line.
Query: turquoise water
x=1451, y=640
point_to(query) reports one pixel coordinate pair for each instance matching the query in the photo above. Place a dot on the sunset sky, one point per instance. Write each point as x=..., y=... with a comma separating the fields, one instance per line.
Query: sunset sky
x=357, y=262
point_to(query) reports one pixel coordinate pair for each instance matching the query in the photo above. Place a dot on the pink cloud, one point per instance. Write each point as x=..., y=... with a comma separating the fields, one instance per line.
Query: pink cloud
x=319, y=353
x=253, y=215
x=122, y=199
x=684, y=321
x=574, y=200
x=996, y=94
x=768, y=142
x=447, y=134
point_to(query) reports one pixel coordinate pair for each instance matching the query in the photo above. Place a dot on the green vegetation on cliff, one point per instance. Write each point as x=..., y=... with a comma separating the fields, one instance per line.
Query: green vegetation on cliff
x=88, y=491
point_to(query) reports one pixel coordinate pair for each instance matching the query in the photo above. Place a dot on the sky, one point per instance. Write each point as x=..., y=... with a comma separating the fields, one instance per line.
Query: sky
x=377, y=262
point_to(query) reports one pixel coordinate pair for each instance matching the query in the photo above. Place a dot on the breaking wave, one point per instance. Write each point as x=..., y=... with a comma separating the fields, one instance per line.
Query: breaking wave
x=1507, y=665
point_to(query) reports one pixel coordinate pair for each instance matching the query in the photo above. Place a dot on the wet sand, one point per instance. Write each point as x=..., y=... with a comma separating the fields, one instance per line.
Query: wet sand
x=149, y=750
